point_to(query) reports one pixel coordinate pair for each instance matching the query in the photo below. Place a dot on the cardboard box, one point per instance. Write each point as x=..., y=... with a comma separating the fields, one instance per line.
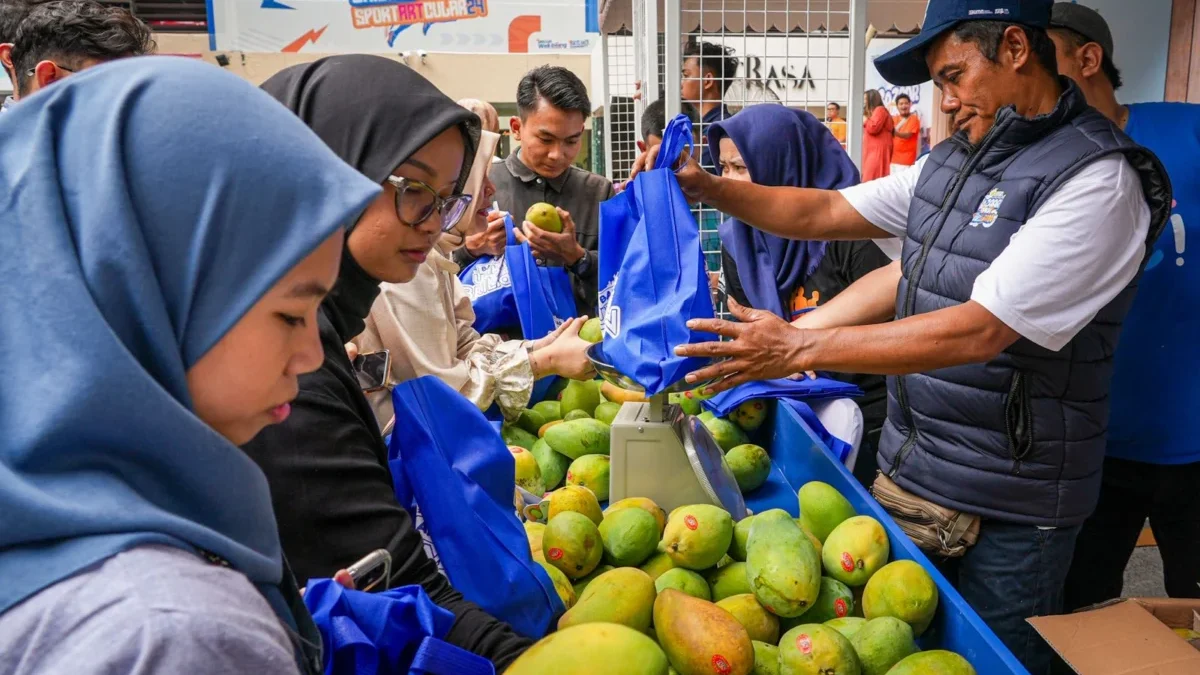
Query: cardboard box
x=1126, y=637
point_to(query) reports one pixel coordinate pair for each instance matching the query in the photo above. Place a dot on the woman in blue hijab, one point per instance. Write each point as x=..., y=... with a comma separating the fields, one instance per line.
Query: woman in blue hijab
x=774, y=145
x=169, y=234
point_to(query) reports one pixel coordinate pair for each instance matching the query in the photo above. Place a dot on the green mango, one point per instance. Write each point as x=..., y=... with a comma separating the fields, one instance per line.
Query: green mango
x=766, y=659
x=607, y=412
x=750, y=415
x=758, y=622
x=544, y=216
x=822, y=508
x=701, y=638
x=882, y=643
x=750, y=465
x=657, y=565
x=813, y=649
x=706, y=416
x=686, y=402
x=581, y=585
x=729, y=581
x=580, y=396
x=562, y=585
x=855, y=550
x=531, y=421
x=644, y=504
x=727, y=434
x=579, y=437
x=782, y=564
x=591, y=472
x=697, y=536
x=847, y=625
x=551, y=411
x=835, y=601
x=554, y=391
x=933, y=662
x=571, y=542
x=902, y=589
x=624, y=595
x=684, y=581
x=577, y=651
x=553, y=465
x=574, y=498
x=590, y=332
x=514, y=435
x=741, y=534
x=629, y=536
x=576, y=415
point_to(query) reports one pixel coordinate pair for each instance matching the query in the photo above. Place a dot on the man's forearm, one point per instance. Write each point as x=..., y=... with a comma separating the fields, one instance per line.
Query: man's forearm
x=792, y=213
x=870, y=300
x=954, y=336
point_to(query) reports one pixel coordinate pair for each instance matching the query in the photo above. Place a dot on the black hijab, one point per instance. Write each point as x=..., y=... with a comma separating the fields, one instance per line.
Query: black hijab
x=374, y=113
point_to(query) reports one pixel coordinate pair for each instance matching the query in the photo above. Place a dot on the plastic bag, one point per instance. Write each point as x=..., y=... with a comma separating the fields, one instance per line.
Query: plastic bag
x=652, y=273
x=797, y=390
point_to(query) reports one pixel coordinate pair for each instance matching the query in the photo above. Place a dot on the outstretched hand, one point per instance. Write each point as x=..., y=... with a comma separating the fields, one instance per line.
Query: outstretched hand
x=693, y=180
x=763, y=347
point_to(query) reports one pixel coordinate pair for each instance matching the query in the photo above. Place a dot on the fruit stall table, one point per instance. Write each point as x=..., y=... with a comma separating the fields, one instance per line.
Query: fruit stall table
x=797, y=458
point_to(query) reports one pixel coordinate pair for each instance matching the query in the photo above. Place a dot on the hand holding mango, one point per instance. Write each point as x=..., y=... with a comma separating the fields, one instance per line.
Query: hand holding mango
x=550, y=233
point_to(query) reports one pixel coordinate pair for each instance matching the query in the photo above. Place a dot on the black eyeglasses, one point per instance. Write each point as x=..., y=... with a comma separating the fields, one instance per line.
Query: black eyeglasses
x=32, y=71
x=416, y=202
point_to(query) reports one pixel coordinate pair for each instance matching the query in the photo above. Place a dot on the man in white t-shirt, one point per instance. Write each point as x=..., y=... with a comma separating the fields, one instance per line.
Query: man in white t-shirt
x=1023, y=236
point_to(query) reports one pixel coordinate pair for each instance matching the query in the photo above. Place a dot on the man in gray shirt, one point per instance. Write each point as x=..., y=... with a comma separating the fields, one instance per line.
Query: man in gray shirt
x=553, y=106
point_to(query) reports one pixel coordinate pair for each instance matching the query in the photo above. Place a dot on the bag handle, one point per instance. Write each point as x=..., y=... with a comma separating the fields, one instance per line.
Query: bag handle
x=508, y=228
x=676, y=137
x=437, y=657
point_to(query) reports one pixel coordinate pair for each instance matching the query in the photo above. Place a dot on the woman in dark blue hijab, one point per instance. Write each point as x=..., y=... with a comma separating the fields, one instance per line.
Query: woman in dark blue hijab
x=774, y=145
x=169, y=232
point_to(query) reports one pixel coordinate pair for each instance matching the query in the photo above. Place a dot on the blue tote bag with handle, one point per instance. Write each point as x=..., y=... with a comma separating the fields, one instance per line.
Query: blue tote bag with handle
x=449, y=464
x=513, y=290
x=652, y=273
x=395, y=632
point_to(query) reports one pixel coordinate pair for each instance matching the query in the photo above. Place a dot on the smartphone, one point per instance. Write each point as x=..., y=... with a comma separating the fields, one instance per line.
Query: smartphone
x=372, y=370
x=372, y=570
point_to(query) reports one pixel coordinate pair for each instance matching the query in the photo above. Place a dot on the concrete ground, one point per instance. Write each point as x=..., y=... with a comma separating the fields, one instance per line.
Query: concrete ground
x=1144, y=574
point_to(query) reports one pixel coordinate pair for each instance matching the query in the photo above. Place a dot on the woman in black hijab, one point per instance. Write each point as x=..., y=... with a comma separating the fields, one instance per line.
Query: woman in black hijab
x=327, y=463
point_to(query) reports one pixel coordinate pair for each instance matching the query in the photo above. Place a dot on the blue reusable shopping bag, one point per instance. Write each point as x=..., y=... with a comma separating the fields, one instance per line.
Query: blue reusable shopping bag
x=397, y=632
x=449, y=462
x=513, y=290
x=796, y=390
x=652, y=273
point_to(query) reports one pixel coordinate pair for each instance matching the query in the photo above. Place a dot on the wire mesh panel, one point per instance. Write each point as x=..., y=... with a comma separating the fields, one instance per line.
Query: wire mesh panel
x=739, y=53
x=621, y=115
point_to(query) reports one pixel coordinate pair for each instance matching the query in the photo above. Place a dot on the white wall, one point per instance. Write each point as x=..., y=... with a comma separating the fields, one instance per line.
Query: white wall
x=1141, y=30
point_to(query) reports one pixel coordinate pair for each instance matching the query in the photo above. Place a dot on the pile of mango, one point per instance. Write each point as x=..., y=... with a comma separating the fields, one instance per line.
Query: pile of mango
x=695, y=593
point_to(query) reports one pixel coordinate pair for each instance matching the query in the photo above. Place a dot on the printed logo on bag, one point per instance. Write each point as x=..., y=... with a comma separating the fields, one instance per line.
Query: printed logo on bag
x=988, y=209
x=610, y=314
x=487, y=277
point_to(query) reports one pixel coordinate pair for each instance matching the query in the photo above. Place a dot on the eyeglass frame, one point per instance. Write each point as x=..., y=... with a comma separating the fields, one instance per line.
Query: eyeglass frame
x=401, y=183
x=33, y=71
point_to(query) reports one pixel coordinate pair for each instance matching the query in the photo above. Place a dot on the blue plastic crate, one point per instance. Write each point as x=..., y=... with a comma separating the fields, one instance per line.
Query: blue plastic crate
x=798, y=457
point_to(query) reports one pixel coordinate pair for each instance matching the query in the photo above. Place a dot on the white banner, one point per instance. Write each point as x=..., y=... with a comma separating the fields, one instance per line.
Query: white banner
x=390, y=26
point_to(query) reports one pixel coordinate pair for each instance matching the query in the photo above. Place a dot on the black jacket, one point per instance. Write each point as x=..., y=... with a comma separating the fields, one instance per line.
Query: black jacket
x=332, y=489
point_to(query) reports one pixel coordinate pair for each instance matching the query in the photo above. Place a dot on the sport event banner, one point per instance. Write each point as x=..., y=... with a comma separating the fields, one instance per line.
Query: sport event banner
x=390, y=26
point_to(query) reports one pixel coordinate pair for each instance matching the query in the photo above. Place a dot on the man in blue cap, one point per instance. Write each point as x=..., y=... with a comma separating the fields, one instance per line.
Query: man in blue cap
x=1024, y=235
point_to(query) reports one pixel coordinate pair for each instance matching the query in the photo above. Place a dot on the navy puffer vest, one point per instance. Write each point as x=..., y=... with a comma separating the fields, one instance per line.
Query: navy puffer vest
x=1020, y=438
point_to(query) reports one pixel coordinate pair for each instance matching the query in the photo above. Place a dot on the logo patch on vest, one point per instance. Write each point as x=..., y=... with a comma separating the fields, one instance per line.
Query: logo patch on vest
x=985, y=215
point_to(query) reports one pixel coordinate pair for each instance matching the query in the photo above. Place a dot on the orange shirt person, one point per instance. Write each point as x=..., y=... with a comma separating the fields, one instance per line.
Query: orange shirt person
x=835, y=123
x=877, y=137
x=906, y=135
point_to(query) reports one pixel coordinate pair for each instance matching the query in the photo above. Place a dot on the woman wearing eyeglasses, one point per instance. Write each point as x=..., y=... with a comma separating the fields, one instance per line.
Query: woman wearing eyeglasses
x=427, y=326
x=327, y=463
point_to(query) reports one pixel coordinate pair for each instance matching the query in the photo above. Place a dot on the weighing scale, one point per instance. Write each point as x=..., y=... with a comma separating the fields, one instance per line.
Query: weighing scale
x=660, y=452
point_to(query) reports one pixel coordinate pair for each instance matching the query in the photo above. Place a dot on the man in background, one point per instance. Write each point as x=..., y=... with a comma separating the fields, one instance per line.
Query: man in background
x=553, y=107
x=11, y=13
x=835, y=123
x=708, y=71
x=56, y=39
x=654, y=120
x=907, y=136
x=1152, y=468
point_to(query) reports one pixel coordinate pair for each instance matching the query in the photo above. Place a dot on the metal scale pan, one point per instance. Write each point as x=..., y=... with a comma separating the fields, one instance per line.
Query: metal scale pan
x=662, y=453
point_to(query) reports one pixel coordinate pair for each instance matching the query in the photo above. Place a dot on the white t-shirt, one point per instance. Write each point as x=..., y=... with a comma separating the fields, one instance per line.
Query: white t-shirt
x=1081, y=248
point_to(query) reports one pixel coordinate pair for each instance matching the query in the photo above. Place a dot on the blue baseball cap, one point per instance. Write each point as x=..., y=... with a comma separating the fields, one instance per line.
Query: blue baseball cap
x=905, y=65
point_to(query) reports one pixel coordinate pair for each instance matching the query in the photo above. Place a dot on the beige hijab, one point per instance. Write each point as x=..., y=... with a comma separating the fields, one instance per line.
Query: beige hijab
x=474, y=186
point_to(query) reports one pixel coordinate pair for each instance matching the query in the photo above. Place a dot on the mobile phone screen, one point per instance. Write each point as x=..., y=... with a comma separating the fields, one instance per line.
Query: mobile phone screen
x=372, y=370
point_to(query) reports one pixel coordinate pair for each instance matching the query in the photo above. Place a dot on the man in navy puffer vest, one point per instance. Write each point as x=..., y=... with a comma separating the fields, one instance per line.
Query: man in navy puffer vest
x=1023, y=239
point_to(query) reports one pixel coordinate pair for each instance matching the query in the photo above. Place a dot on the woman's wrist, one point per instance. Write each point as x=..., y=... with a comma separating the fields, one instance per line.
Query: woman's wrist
x=542, y=363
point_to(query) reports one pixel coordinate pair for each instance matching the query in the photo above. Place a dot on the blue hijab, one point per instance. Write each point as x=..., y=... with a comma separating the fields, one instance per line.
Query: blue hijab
x=146, y=204
x=780, y=146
